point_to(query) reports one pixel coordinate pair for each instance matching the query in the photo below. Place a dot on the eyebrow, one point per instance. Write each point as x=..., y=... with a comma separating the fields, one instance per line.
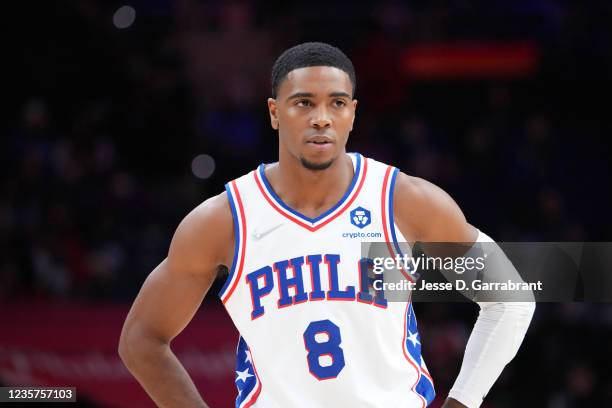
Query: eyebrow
x=311, y=95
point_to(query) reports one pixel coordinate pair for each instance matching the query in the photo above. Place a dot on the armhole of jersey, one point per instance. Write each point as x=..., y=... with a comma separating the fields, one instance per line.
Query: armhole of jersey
x=388, y=194
x=394, y=172
x=393, y=244
x=233, y=197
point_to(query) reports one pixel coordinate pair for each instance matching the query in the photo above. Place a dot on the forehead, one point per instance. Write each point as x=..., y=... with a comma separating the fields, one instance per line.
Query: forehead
x=316, y=80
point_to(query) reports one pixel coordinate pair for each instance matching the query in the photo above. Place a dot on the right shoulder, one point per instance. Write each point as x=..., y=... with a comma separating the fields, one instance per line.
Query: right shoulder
x=215, y=210
x=204, y=238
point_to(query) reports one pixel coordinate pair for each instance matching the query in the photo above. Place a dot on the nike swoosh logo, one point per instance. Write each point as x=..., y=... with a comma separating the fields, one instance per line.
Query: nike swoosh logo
x=259, y=235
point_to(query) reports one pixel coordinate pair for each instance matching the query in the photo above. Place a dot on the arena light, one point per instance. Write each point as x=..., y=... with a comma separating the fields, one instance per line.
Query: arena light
x=124, y=17
x=203, y=166
x=470, y=60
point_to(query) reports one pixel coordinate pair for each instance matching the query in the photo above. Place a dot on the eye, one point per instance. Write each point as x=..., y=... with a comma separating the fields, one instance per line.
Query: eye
x=303, y=103
x=339, y=103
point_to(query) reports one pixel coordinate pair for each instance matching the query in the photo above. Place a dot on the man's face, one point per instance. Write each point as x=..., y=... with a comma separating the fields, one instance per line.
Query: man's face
x=314, y=113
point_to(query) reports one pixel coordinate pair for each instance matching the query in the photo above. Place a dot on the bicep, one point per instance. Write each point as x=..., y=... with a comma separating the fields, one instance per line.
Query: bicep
x=167, y=302
x=172, y=293
x=424, y=212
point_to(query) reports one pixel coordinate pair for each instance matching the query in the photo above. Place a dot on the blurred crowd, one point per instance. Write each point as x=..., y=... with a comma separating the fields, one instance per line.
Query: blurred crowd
x=106, y=120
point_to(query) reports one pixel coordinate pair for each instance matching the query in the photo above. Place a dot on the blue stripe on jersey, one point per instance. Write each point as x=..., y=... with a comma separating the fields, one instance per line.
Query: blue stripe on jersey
x=391, y=218
x=413, y=344
x=270, y=191
x=409, y=268
x=426, y=389
x=246, y=379
x=235, y=216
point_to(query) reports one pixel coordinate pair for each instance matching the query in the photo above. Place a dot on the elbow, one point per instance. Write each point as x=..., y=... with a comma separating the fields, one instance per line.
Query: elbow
x=531, y=306
x=137, y=345
x=128, y=344
x=524, y=309
x=123, y=348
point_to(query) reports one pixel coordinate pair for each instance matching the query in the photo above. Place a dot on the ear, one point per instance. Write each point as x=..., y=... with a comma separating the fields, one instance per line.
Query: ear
x=354, y=101
x=273, y=110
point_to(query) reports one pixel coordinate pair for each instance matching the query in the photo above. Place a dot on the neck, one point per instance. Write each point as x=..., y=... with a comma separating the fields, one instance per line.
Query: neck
x=311, y=192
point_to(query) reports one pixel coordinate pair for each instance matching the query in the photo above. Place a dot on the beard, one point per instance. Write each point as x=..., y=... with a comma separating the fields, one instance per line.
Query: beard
x=316, y=166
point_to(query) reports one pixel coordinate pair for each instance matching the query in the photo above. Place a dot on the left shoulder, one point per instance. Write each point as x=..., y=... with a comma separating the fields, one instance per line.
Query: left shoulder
x=425, y=212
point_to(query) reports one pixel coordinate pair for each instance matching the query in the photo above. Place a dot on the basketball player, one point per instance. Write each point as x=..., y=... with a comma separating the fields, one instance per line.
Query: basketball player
x=312, y=332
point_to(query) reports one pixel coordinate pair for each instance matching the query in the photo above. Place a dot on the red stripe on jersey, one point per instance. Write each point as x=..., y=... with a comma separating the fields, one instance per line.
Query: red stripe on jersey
x=386, y=216
x=383, y=210
x=238, y=271
x=327, y=221
x=426, y=374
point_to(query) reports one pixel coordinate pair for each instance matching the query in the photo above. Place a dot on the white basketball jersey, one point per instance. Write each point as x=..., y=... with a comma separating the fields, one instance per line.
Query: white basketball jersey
x=312, y=332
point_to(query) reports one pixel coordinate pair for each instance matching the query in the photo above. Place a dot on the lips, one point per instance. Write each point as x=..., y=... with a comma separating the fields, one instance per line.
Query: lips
x=320, y=144
x=319, y=139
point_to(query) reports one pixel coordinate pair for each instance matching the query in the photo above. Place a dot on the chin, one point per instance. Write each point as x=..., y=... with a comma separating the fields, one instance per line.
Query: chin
x=316, y=165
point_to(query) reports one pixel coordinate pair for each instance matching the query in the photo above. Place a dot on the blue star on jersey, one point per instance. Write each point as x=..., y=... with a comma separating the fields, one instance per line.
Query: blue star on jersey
x=424, y=386
x=246, y=380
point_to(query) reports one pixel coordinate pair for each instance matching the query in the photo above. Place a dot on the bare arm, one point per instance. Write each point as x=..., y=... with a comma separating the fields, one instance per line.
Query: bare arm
x=425, y=212
x=168, y=300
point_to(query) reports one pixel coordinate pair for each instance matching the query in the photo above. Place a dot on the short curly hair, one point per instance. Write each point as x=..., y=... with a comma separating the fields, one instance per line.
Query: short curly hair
x=310, y=54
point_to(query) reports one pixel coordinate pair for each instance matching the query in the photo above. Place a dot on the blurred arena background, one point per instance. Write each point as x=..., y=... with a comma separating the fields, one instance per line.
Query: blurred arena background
x=119, y=118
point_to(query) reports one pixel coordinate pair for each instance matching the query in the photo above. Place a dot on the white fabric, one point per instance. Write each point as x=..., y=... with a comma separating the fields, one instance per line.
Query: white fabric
x=383, y=366
x=495, y=339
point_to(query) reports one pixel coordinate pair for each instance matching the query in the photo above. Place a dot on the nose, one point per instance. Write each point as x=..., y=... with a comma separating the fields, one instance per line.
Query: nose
x=320, y=118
